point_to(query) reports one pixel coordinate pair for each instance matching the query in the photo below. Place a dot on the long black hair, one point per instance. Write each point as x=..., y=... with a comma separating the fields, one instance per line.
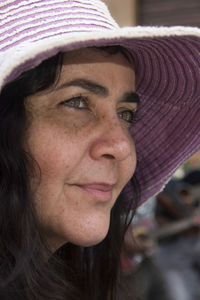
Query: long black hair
x=72, y=272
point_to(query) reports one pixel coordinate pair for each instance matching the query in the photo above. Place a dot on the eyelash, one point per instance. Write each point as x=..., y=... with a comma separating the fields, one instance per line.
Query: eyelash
x=132, y=114
x=72, y=102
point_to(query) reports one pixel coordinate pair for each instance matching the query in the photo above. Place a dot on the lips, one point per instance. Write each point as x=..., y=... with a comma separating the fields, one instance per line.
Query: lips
x=101, y=191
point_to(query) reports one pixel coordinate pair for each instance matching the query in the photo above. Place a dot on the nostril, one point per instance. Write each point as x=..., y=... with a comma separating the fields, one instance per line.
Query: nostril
x=110, y=156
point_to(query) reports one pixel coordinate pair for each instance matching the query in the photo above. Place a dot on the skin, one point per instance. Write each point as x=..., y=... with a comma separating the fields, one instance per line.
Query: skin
x=83, y=147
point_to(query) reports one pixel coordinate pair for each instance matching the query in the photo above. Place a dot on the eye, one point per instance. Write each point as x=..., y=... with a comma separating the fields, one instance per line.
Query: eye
x=79, y=102
x=127, y=115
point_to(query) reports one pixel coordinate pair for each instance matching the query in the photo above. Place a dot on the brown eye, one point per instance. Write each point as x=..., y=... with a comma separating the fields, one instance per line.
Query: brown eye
x=76, y=102
x=127, y=115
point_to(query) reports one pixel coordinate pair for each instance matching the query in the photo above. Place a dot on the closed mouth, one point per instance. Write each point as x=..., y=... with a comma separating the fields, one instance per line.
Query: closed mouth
x=101, y=191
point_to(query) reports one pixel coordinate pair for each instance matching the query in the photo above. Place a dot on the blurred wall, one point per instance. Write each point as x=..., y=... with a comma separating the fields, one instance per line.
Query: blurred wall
x=170, y=12
x=124, y=11
x=155, y=12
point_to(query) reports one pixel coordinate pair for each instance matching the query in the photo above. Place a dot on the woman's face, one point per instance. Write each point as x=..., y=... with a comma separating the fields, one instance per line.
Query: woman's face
x=79, y=136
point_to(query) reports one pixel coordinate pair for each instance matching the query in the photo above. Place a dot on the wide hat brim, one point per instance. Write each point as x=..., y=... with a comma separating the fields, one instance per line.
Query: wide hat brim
x=167, y=66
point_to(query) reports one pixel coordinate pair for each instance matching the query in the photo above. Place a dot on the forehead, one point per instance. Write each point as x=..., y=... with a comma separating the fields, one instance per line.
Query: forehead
x=90, y=62
x=98, y=54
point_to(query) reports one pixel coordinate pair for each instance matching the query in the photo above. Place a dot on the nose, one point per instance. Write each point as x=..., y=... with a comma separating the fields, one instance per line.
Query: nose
x=112, y=141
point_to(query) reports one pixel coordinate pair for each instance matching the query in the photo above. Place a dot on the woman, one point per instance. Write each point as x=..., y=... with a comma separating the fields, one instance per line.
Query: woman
x=71, y=81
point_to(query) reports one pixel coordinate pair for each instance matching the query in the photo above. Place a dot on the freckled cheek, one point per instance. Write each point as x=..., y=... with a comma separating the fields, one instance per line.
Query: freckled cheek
x=131, y=161
x=134, y=155
x=53, y=161
x=50, y=153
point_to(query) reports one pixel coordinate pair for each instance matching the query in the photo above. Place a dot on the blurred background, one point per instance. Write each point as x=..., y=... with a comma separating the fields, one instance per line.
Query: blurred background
x=155, y=12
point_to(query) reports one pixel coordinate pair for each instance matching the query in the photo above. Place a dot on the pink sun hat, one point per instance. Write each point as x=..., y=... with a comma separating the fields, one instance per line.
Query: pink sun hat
x=167, y=67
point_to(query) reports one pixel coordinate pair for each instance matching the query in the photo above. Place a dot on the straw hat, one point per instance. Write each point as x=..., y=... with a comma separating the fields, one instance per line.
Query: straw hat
x=167, y=66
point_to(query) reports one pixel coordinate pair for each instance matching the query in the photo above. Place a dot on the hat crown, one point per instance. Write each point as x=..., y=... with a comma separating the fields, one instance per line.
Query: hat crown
x=32, y=20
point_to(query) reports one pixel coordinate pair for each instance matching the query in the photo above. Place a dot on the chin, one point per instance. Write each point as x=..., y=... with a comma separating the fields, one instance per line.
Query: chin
x=91, y=239
x=89, y=243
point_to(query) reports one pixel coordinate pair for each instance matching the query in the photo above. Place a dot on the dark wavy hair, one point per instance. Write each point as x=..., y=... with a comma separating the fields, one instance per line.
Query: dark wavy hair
x=72, y=272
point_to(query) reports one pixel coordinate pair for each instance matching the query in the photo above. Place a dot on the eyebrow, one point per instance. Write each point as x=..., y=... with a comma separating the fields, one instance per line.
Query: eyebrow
x=91, y=86
x=130, y=97
x=88, y=85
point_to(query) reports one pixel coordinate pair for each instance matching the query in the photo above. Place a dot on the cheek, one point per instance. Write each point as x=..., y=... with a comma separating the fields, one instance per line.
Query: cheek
x=52, y=149
x=130, y=163
x=126, y=169
x=133, y=158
